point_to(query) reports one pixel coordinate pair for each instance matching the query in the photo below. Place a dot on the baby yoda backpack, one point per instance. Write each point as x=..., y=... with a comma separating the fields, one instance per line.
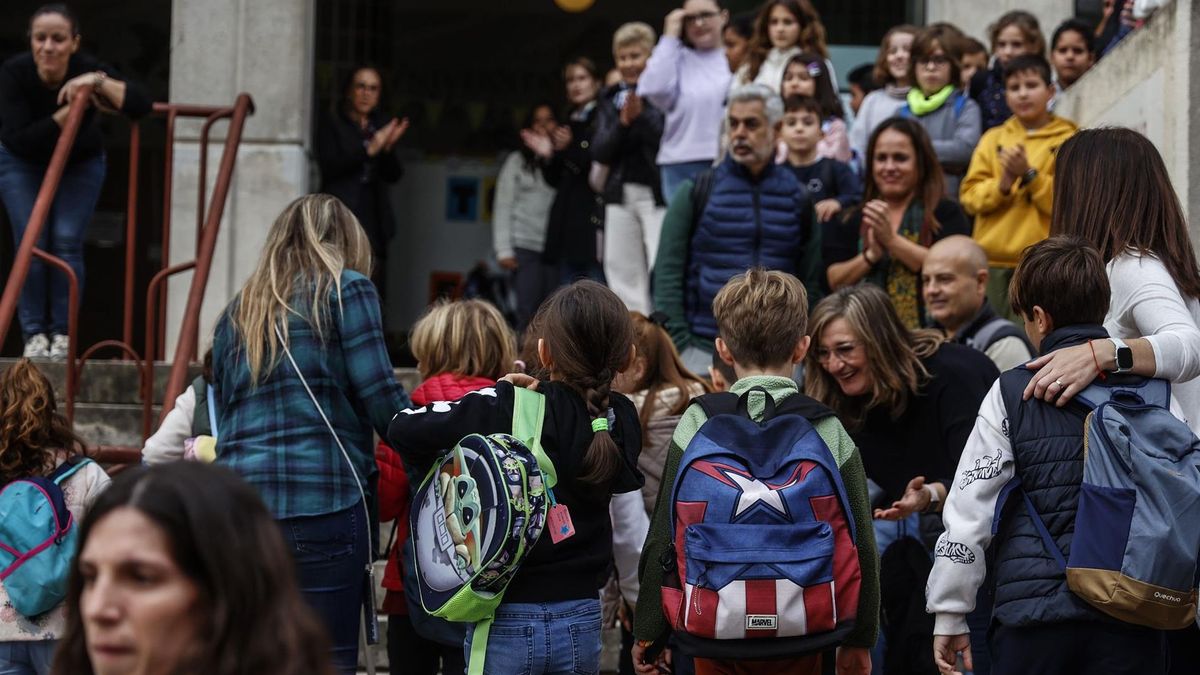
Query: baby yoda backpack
x=475, y=517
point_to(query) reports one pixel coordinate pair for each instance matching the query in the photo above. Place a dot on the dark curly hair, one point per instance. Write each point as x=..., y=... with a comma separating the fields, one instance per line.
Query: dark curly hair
x=32, y=433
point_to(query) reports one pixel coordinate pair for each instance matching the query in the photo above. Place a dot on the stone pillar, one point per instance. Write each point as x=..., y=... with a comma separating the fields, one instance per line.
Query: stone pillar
x=974, y=16
x=218, y=49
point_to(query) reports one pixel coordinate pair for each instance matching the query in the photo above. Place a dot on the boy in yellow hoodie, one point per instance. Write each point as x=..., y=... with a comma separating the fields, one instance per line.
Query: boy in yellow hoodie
x=1009, y=187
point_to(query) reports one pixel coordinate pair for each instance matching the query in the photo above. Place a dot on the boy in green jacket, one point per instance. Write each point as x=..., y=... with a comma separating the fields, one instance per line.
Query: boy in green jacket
x=761, y=319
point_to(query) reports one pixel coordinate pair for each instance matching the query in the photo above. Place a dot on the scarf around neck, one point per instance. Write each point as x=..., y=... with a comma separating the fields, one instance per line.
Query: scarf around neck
x=921, y=105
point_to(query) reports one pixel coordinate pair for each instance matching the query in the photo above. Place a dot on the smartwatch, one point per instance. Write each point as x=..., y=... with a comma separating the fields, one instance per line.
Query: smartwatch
x=1029, y=176
x=1124, y=358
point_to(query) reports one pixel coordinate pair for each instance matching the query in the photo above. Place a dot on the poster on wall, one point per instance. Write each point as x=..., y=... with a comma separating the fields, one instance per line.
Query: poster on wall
x=462, y=198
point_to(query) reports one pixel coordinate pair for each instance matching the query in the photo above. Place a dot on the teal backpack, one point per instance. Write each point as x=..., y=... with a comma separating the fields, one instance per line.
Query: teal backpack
x=475, y=517
x=37, y=540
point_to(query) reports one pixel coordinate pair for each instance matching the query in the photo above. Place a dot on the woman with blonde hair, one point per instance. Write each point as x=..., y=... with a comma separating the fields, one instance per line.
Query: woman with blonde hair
x=909, y=400
x=37, y=442
x=302, y=379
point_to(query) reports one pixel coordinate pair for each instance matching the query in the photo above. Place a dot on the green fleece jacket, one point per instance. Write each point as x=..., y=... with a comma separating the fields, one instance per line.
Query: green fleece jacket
x=649, y=622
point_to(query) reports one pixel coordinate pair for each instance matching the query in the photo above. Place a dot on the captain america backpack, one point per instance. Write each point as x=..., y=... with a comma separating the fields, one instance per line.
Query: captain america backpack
x=37, y=540
x=477, y=515
x=764, y=561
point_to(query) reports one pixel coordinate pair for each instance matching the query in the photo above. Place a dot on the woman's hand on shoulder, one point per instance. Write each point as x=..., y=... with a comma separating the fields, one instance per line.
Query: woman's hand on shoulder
x=521, y=380
x=1061, y=374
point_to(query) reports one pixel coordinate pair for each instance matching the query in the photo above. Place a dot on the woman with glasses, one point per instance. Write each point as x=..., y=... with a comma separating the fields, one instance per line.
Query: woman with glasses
x=356, y=152
x=688, y=76
x=937, y=103
x=909, y=400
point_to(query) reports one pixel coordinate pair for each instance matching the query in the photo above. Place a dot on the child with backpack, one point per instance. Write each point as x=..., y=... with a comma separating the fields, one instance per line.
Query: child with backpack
x=460, y=347
x=761, y=553
x=590, y=440
x=1064, y=500
x=41, y=460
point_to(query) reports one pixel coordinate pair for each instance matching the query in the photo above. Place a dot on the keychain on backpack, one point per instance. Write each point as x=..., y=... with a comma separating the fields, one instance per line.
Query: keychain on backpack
x=559, y=520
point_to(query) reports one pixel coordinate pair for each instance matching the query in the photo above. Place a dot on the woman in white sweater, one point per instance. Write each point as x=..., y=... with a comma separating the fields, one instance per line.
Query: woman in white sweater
x=1111, y=188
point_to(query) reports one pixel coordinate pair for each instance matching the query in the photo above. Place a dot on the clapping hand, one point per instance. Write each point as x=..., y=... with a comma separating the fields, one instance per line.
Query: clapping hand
x=561, y=137
x=879, y=226
x=631, y=109
x=539, y=143
x=1014, y=161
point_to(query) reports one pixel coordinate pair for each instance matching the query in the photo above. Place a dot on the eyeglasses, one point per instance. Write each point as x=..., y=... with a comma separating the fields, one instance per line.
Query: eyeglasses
x=934, y=61
x=843, y=352
x=699, y=17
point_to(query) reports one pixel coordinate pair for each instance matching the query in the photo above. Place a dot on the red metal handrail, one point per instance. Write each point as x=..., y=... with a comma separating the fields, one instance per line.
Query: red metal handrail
x=208, y=220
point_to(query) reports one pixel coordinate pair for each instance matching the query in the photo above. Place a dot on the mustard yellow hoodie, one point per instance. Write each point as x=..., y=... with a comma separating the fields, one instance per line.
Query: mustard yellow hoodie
x=1006, y=224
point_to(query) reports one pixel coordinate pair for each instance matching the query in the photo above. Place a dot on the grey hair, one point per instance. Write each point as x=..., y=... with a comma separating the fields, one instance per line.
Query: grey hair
x=772, y=103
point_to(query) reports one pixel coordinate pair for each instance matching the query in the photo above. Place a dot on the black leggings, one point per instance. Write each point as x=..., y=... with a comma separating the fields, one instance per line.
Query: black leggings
x=411, y=654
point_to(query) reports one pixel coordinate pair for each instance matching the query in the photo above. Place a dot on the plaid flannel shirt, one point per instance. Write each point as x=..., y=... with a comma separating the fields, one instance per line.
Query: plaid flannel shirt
x=273, y=436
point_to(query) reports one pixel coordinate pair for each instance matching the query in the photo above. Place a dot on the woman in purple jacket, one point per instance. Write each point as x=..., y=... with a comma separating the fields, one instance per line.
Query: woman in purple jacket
x=688, y=76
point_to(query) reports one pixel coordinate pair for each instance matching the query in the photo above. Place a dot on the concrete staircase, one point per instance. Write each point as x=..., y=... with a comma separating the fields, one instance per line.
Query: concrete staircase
x=108, y=407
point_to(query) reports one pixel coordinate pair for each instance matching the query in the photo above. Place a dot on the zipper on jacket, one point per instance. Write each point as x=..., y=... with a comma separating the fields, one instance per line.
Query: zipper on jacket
x=757, y=224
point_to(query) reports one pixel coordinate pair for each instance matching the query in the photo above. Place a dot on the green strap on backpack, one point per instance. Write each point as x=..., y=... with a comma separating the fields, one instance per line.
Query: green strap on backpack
x=529, y=412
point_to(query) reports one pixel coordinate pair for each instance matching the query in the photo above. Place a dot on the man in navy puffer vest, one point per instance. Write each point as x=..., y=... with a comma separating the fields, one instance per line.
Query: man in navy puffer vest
x=756, y=215
x=1038, y=624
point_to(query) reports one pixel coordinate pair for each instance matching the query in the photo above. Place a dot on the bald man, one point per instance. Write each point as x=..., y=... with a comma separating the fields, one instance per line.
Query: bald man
x=954, y=285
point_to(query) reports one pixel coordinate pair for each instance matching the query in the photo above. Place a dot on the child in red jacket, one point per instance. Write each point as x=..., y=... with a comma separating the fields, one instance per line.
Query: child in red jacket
x=460, y=347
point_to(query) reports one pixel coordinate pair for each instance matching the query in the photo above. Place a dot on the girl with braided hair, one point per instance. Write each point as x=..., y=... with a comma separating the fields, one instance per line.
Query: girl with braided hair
x=584, y=339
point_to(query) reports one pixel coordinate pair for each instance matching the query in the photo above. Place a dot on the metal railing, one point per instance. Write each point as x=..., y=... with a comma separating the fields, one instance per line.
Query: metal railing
x=208, y=221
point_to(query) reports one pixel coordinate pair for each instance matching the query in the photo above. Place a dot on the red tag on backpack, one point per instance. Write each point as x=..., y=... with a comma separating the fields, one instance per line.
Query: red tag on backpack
x=558, y=521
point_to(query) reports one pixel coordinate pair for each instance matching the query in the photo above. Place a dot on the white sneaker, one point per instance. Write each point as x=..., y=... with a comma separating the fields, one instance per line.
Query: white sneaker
x=37, y=347
x=58, y=347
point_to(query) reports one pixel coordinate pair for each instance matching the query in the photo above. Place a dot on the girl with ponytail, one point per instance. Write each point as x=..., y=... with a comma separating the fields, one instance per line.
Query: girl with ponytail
x=584, y=339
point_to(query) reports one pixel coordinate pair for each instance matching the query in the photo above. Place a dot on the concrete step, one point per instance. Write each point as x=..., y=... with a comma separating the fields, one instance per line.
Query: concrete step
x=112, y=424
x=112, y=381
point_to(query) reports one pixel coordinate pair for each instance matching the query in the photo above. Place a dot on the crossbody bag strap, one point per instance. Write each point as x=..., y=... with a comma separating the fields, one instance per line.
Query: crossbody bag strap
x=366, y=636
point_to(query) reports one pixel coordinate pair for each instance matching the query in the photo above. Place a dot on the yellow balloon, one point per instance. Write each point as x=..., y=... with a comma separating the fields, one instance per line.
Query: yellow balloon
x=574, y=5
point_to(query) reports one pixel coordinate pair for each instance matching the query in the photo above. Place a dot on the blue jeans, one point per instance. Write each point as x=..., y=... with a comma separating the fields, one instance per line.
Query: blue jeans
x=672, y=175
x=62, y=234
x=549, y=638
x=331, y=553
x=27, y=658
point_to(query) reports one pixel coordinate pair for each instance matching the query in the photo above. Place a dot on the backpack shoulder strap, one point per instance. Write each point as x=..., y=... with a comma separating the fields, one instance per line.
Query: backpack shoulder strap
x=67, y=469
x=960, y=102
x=905, y=111
x=991, y=331
x=828, y=177
x=717, y=403
x=529, y=414
x=701, y=190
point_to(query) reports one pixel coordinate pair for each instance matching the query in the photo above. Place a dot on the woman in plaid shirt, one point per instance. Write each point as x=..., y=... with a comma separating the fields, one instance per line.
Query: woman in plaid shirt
x=310, y=295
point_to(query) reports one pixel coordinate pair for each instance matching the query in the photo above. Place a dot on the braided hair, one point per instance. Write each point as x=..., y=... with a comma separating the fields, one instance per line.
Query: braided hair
x=588, y=333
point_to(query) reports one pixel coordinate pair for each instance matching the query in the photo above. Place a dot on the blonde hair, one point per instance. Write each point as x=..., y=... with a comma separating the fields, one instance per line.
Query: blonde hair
x=467, y=337
x=893, y=353
x=309, y=245
x=633, y=33
x=761, y=315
